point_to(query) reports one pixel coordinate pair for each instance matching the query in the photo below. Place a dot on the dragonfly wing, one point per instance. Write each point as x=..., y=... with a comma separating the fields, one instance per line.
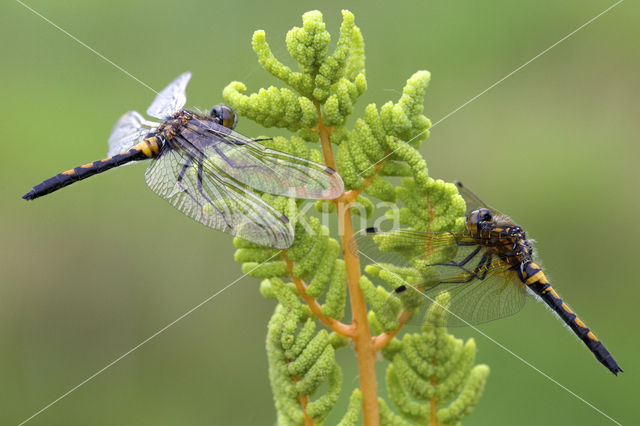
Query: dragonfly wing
x=403, y=247
x=128, y=131
x=473, y=202
x=481, y=284
x=171, y=99
x=267, y=170
x=194, y=189
x=495, y=293
x=499, y=295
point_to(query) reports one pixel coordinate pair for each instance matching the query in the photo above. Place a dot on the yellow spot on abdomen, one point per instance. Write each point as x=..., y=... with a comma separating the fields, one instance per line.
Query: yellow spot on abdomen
x=579, y=322
x=566, y=308
x=538, y=276
x=149, y=146
x=592, y=336
x=544, y=280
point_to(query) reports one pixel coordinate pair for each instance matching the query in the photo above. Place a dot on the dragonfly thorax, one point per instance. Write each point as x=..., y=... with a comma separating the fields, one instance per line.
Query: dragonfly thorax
x=172, y=126
x=522, y=248
x=512, y=244
x=498, y=231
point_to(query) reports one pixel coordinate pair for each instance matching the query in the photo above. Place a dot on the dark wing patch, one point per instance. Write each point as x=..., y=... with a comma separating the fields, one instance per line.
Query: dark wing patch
x=187, y=183
x=247, y=161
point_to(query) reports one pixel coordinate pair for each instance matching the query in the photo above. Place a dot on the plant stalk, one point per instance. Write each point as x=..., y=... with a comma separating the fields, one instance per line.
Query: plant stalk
x=364, y=348
x=361, y=337
x=324, y=132
x=333, y=324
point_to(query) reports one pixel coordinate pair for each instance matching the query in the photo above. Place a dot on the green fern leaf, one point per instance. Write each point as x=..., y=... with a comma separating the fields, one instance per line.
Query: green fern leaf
x=310, y=280
x=434, y=369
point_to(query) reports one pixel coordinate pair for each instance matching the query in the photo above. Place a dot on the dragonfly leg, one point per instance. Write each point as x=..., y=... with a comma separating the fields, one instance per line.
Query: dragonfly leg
x=465, y=260
x=479, y=272
x=466, y=243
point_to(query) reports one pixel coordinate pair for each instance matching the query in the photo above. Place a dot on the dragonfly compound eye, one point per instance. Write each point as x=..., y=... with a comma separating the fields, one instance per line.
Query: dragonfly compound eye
x=224, y=116
x=477, y=217
x=484, y=215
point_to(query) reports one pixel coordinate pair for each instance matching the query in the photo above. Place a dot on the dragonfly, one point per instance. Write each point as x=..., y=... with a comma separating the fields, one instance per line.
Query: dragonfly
x=488, y=270
x=206, y=170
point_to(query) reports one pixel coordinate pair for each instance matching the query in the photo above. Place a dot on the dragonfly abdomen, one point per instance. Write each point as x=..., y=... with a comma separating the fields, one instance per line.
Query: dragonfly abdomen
x=148, y=148
x=538, y=283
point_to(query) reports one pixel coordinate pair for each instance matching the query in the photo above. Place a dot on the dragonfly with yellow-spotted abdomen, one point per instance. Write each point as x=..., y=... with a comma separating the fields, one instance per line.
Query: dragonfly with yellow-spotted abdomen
x=488, y=269
x=206, y=170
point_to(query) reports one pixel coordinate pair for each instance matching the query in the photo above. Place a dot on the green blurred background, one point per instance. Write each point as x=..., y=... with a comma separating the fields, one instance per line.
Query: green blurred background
x=89, y=272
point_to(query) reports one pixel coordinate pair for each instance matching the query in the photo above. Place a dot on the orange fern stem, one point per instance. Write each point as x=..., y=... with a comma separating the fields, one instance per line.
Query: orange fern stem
x=333, y=324
x=365, y=352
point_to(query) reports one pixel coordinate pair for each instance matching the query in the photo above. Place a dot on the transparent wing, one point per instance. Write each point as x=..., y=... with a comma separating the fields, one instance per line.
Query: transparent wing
x=130, y=129
x=471, y=199
x=482, y=285
x=171, y=99
x=408, y=248
x=194, y=189
x=498, y=294
x=474, y=202
x=232, y=154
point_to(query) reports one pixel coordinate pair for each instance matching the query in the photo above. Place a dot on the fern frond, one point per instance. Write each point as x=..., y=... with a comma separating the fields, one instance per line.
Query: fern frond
x=352, y=415
x=375, y=137
x=310, y=280
x=301, y=360
x=272, y=107
x=388, y=417
x=433, y=369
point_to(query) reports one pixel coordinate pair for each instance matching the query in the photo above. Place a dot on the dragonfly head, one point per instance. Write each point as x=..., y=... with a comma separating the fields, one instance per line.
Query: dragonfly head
x=224, y=116
x=479, y=219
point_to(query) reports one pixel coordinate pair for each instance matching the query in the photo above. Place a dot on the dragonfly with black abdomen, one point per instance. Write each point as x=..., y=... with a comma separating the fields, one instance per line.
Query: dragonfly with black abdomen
x=488, y=269
x=206, y=170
